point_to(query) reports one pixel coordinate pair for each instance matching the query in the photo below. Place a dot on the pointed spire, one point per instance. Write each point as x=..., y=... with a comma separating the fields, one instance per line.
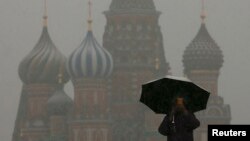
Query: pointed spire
x=45, y=16
x=90, y=16
x=60, y=78
x=157, y=59
x=157, y=63
x=203, y=12
x=60, y=75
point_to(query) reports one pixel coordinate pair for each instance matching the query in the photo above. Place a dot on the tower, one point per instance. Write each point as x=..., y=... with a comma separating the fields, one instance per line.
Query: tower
x=89, y=66
x=202, y=61
x=39, y=73
x=59, y=107
x=134, y=39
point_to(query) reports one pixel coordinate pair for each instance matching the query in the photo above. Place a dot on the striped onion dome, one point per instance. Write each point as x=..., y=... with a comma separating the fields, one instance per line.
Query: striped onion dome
x=202, y=53
x=90, y=59
x=59, y=103
x=43, y=63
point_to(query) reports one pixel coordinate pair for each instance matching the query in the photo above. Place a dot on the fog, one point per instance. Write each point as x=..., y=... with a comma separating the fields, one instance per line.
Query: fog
x=228, y=22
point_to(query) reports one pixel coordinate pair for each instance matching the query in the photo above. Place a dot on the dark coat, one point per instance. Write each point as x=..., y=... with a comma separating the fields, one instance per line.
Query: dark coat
x=184, y=126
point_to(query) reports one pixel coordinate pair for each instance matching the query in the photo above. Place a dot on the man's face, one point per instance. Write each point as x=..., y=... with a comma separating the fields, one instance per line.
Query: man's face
x=179, y=102
x=180, y=105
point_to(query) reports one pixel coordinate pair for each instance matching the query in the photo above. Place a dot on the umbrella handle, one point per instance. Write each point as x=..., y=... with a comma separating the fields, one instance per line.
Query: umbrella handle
x=173, y=119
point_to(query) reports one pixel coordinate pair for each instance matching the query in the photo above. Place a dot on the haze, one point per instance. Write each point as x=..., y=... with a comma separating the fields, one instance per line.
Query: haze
x=228, y=22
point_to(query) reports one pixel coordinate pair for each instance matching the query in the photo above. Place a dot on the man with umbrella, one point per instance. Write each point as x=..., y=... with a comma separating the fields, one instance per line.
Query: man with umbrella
x=179, y=98
x=180, y=123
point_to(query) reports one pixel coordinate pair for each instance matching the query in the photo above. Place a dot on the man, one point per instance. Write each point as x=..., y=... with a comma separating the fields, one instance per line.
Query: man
x=180, y=123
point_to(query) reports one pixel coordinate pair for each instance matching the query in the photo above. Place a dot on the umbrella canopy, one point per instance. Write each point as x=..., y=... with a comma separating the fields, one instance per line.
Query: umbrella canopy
x=160, y=94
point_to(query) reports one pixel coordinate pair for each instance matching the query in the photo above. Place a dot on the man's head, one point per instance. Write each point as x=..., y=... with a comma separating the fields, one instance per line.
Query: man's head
x=180, y=101
x=180, y=105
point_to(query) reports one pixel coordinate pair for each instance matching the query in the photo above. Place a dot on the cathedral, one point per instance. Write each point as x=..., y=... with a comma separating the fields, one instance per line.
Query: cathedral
x=107, y=79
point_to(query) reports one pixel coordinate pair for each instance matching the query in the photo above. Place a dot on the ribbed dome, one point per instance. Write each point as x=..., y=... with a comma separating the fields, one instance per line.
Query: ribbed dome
x=202, y=53
x=43, y=63
x=90, y=60
x=132, y=4
x=59, y=103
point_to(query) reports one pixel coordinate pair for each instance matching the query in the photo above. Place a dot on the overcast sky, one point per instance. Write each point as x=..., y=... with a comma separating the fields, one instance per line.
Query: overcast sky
x=228, y=22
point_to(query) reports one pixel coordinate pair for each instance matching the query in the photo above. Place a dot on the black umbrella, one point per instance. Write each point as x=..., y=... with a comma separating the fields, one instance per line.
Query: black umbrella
x=159, y=94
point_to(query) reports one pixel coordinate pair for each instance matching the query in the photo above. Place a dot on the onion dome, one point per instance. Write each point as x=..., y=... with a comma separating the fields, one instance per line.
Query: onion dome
x=90, y=59
x=202, y=53
x=59, y=103
x=132, y=4
x=43, y=63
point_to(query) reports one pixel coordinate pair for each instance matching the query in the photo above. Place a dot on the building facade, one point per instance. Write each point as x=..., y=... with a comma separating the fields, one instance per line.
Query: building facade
x=133, y=37
x=107, y=81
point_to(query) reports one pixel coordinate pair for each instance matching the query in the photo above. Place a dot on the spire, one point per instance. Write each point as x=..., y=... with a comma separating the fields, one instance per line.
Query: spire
x=60, y=75
x=45, y=17
x=157, y=59
x=60, y=78
x=157, y=63
x=203, y=12
x=90, y=16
